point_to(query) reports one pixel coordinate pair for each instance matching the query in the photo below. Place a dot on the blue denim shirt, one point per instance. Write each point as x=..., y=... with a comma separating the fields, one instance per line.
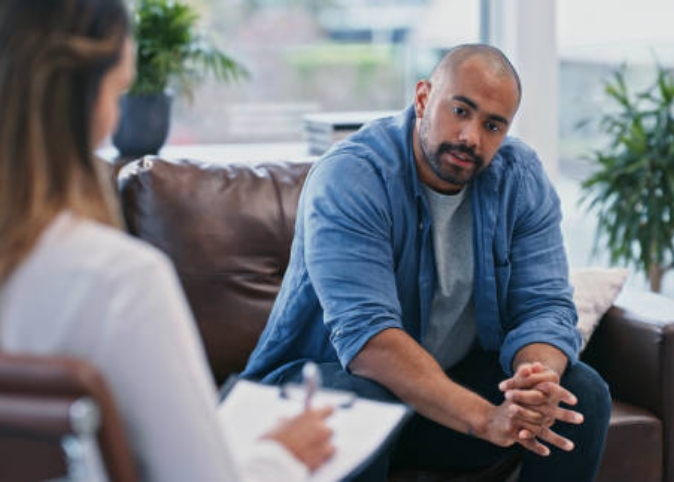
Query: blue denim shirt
x=362, y=258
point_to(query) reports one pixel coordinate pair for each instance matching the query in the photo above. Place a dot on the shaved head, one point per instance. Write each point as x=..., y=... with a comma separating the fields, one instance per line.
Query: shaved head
x=463, y=114
x=497, y=63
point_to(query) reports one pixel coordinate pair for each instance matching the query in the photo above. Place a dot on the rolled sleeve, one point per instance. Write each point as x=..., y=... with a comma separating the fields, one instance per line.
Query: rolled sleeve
x=348, y=345
x=348, y=252
x=548, y=331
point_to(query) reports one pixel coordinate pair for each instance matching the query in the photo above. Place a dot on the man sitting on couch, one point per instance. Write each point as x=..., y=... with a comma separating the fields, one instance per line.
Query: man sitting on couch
x=428, y=266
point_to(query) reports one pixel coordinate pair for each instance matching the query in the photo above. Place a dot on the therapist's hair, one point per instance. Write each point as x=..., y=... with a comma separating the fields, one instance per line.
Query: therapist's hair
x=53, y=57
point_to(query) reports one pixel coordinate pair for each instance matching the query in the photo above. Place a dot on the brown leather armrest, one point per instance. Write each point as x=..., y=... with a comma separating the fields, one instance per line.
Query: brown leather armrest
x=633, y=349
x=36, y=416
x=31, y=384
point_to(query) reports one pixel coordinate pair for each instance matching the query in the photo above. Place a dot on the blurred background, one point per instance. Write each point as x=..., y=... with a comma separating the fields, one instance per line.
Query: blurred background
x=312, y=56
x=343, y=55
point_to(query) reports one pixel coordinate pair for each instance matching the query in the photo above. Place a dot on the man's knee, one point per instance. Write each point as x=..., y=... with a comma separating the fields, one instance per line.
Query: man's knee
x=592, y=392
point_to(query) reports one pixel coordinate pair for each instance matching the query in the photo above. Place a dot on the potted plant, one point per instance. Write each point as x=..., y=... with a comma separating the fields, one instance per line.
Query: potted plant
x=632, y=189
x=171, y=54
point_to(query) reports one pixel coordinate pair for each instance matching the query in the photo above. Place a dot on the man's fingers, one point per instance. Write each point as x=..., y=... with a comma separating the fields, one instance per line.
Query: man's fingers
x=526, y=377
x=569, y=416
x=527, y=432
x=552, y=438
x=526, y=397
x=536, y=408
x=535, y=446
x=548, y=417
x=555, y=439
x=542, y=393
x=557, y=392
x=522, y=372
x=540, y=377
x=530, y=416
x=527, y=437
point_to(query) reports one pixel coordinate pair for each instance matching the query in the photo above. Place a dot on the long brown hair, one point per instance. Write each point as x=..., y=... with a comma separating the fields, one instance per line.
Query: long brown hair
x=53, y=56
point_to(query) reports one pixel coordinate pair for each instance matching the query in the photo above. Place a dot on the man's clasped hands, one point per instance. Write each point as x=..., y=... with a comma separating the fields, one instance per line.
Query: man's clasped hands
x=530, y=409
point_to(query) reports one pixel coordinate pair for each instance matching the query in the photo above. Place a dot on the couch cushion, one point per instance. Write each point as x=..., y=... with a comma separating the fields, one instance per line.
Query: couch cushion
x=228, y=229
x=594, y=291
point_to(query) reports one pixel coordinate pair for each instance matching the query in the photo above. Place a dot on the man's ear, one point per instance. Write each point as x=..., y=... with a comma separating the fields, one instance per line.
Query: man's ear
x=423, y=92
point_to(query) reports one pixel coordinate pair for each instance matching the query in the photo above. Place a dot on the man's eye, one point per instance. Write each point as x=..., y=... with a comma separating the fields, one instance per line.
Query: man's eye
x=459, y=110
x=493, y=127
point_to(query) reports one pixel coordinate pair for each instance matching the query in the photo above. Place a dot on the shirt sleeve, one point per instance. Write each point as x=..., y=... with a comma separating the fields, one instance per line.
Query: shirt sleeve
x=152, y=357
x=349, y=253
x=539, y=304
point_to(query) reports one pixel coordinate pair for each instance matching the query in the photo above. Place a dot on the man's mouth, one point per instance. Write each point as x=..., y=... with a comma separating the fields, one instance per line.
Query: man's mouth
x=461, y=159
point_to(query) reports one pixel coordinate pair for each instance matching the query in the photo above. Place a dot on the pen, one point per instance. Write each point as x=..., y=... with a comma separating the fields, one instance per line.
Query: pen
x=311, y=377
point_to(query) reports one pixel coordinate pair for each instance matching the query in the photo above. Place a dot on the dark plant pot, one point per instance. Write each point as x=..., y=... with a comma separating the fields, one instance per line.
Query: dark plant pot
x=143, y=124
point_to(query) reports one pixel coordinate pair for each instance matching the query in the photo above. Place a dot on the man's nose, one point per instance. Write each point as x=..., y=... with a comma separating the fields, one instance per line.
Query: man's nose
x=469, y=135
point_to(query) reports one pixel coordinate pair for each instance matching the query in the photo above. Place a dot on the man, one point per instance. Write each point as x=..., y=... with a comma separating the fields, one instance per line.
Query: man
x=428, y=266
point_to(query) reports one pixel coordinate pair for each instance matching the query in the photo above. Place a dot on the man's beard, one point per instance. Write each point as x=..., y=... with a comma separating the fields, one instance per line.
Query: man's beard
x=453, y=174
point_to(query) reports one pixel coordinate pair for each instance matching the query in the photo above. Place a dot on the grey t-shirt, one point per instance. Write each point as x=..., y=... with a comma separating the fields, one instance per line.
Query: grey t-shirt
x=452, y=329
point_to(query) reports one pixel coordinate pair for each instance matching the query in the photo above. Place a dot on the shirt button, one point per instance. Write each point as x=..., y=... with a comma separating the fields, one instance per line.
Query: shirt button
x=421, y=226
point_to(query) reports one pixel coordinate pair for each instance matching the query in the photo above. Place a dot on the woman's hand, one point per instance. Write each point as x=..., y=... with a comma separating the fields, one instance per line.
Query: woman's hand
x=306, y=436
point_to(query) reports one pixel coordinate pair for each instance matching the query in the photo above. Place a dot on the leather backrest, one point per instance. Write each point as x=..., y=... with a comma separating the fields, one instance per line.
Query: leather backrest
x=35, y=393
x=228, y=229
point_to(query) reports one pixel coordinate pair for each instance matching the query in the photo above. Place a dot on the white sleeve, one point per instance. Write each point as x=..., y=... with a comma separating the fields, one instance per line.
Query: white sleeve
x=152, y=357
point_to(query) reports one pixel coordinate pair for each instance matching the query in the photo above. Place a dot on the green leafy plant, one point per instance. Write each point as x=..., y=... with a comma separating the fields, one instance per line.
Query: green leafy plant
x=632, y=188
x=172, y=52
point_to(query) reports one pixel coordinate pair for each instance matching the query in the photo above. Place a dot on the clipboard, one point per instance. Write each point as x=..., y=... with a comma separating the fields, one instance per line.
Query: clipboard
x=362, y=428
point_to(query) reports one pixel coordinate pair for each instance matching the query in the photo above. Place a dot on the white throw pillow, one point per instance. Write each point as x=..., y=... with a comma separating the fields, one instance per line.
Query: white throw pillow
x=595, y=290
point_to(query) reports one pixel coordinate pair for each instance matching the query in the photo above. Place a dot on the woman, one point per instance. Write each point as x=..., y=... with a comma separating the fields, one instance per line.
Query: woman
x=72, y=283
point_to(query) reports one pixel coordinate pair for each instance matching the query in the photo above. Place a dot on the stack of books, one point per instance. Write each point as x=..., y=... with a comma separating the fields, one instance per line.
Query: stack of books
x=324, y=129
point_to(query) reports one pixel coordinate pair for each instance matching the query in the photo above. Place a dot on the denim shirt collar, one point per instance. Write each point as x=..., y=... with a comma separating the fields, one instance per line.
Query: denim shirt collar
x=408, y=120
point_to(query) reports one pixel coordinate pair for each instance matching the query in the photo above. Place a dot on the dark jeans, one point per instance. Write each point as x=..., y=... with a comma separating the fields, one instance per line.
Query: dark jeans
x=424, y=444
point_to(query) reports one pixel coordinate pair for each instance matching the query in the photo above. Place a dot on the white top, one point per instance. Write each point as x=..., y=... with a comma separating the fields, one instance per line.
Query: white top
x=92, y=292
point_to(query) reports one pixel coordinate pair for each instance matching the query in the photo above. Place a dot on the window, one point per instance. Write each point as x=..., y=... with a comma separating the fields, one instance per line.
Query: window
x=309, y=56
x=596, y=38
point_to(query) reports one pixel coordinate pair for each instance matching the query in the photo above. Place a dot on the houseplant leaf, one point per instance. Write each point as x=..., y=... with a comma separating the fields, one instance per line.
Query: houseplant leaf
x=632, y=188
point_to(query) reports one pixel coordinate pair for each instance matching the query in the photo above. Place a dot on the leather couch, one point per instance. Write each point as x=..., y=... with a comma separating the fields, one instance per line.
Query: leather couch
x=228, y=228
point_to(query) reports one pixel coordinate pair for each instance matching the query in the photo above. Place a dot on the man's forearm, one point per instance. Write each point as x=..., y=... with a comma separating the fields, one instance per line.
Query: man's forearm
x=396, y=361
